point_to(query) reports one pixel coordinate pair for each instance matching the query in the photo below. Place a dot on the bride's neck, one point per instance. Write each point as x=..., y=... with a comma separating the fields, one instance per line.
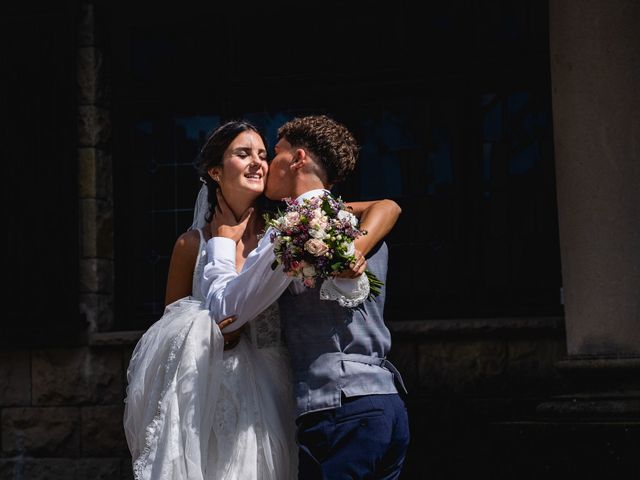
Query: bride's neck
x=240, y=204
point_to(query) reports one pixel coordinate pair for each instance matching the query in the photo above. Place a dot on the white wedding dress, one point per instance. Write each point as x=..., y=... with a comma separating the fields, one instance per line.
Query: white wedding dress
x=194, y=411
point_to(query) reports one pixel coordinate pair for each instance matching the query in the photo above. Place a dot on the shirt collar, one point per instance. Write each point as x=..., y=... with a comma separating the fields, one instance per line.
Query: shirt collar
x=318, y=192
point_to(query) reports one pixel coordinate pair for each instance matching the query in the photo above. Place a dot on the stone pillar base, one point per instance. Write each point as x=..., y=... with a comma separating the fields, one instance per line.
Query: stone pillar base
x=604, y=388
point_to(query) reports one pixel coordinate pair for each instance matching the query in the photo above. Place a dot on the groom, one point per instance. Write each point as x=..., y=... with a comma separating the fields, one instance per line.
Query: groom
x=351, y=420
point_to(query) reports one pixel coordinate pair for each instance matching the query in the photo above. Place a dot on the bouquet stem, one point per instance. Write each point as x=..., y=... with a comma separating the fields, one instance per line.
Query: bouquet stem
x=374, y=284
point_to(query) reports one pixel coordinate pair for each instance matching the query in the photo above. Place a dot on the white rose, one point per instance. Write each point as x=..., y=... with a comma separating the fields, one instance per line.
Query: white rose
x=308, y=270
x=319, y=234
x=318, y=223
x=351, y=249
x=342, y=214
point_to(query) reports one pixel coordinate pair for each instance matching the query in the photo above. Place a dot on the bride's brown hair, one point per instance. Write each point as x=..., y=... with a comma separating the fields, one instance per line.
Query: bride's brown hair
x=211, y=155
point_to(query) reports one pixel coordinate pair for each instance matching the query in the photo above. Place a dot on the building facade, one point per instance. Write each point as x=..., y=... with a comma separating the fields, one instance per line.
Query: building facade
x=514, y=269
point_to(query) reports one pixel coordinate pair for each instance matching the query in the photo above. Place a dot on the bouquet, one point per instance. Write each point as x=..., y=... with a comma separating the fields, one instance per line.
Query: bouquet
x=314, y=240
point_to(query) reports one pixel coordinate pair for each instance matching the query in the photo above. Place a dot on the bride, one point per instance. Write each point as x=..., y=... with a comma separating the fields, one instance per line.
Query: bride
x=200, y=404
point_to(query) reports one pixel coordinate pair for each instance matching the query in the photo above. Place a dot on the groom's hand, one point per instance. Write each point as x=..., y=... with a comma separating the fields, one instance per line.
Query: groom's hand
x=356, y=268
x=226, y=224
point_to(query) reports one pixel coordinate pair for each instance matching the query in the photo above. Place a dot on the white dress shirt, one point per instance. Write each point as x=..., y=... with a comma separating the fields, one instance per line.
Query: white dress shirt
x=257, y=286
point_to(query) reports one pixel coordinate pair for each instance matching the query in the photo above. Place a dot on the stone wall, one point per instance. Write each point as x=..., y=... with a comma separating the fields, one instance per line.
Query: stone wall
x=467, y=379
x=61, y=413
x=61, y=408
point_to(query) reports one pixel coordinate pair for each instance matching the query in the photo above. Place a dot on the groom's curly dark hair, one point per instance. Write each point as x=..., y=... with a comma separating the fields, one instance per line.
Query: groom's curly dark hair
x=330, y=142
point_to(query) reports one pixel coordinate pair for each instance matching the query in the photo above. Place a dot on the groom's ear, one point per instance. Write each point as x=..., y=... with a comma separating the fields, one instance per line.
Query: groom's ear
x=299, y=158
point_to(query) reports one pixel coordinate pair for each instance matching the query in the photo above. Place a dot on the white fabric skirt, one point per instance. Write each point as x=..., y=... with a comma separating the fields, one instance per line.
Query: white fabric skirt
x=193, y=411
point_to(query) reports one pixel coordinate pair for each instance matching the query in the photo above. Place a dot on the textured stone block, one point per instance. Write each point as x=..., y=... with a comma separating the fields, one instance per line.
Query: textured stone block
x=102, y=431
x=86, y=25
x=90, y=76
x=61, y=469
x=404, y=357
x=46, y=431
x=96, y=275
x=97, y=310
x=462, y=366
x=76, y=376
x=98, y=469
x=95, y=173
x=8, y=470
x=46, y=469
x=531, y=364
x=126, y=469
x=15, y=378
x=94, y=126
x=96, y=223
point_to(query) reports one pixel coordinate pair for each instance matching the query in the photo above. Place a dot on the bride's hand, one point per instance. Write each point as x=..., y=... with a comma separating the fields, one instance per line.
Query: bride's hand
x=226, y=224
x=231, y=339
x=356, y=268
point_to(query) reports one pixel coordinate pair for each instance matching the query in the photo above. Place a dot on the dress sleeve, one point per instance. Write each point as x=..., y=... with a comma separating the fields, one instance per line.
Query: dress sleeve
x=250, y=292
x=244, y=294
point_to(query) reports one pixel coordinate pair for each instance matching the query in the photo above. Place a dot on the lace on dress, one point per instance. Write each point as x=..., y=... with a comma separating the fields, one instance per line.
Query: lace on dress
x=263, y=331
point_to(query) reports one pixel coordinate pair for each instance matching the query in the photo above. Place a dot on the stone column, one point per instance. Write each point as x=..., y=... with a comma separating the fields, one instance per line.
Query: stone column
x=95, y=176
x=595, y=71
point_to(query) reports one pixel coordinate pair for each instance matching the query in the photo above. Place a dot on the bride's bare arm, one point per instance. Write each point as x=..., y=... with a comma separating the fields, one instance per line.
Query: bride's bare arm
x=377, y=217
x=181, y=265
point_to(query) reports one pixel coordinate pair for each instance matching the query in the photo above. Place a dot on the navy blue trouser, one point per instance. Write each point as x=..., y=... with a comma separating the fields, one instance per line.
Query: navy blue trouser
x=365, y=438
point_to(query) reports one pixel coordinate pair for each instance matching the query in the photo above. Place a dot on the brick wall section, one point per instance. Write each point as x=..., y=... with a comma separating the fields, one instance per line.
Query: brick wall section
x=61, y=413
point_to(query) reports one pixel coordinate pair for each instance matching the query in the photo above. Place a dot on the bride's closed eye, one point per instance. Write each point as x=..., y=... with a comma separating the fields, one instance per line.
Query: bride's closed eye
x=245, y=154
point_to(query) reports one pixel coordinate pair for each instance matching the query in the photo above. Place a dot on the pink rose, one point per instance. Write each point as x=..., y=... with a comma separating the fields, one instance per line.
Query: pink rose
x=291, y=219
x=316, y=247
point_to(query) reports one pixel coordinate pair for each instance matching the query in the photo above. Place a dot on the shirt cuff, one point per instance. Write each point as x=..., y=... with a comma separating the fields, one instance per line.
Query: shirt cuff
x=221, y=248
x=347, y=292
x=345, y=285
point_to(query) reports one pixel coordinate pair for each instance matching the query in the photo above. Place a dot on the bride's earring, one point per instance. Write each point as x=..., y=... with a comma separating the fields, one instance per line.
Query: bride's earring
x=214, y=175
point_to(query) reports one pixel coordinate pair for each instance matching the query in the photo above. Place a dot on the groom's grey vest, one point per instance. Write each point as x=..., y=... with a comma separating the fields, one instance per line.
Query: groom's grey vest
x=335, y=349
